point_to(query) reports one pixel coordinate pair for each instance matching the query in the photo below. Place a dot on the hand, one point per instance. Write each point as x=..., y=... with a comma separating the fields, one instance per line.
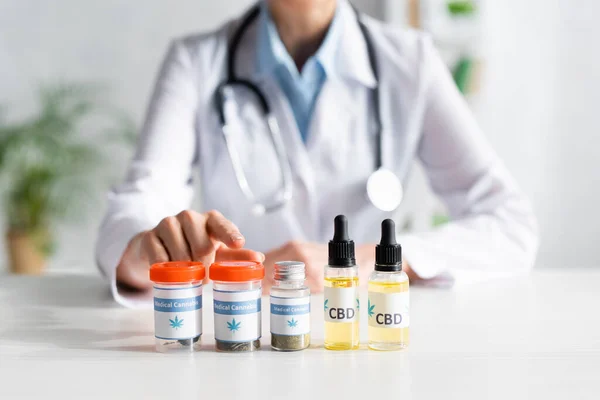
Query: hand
x=313, y=255
x=188, y=236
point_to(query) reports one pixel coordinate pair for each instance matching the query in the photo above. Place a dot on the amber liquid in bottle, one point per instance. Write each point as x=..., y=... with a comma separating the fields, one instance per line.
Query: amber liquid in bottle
x=388, y=306
x=392, y=336
x=341, y=333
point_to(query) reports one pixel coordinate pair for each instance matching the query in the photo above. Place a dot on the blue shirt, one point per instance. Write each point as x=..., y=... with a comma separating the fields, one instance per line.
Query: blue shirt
x=301, y=88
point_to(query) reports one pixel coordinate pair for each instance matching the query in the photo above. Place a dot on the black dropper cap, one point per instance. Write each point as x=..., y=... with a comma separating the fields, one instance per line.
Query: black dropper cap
x=341, y=248
x=388, y=253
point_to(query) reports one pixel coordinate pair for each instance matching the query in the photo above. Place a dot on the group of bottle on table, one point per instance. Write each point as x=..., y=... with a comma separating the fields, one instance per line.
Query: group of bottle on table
x=388, y=303
x=237, y=293
x=237, y=290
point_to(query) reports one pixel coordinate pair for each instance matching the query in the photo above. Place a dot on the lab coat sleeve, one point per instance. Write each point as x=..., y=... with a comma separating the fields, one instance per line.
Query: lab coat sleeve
x=493, y=231
x=158, y=180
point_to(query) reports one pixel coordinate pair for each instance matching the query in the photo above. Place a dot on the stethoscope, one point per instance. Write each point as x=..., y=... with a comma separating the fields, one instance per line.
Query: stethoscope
x=384, y=188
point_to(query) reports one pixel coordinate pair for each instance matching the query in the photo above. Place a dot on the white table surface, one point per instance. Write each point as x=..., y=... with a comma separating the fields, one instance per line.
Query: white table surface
x=61, y=336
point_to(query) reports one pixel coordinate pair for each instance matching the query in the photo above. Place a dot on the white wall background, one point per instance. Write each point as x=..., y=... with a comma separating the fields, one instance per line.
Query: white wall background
x=538, y=103
x=539, y=106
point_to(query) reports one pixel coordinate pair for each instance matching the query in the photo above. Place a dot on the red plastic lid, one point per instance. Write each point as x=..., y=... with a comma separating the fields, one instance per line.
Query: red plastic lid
x=177, y=272
x=236, y=271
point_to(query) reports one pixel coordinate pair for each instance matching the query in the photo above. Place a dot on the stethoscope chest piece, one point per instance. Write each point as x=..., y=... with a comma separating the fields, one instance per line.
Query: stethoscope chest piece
x=384, y=189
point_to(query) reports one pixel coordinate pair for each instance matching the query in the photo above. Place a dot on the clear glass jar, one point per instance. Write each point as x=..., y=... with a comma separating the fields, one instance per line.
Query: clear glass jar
x=237, y=295
x=290, y=307
x=177, y=293
x=388, y=310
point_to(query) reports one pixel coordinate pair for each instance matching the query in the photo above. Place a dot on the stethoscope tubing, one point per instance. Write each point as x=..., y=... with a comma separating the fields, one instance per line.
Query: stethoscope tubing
x=232, y=80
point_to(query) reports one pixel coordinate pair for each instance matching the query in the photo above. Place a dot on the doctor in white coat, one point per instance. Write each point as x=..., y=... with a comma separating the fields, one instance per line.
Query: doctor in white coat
x=311, y=60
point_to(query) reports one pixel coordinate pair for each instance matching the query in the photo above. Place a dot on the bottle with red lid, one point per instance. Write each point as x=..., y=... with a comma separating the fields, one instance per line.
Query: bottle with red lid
x=177, y=305
x=237, y=291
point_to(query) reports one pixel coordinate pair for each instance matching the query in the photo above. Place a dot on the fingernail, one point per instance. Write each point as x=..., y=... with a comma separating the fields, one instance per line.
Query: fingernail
x=263, y=257
x=236, y=237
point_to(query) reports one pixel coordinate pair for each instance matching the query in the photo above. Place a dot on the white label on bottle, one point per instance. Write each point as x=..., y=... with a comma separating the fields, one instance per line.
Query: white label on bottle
x=237, y=315
x=388, y=310
x=290, y=316
x=341, y=304
x=178, y=313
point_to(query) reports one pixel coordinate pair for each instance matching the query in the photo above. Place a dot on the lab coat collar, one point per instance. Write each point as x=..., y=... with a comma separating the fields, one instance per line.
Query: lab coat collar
x=343, y=52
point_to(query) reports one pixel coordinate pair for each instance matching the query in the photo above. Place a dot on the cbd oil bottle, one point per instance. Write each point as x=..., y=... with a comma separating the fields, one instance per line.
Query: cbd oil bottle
x=341, y=302
x=388, y=305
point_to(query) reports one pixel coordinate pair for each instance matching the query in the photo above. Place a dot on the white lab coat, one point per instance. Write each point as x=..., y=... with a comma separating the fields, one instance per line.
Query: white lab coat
x=493, y=230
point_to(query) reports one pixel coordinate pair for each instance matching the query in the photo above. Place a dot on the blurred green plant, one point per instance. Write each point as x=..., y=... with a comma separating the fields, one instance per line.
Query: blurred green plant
x=439, y=219
x=461, y=7
x=462, y=73
x=463, y=70
x=49, y=161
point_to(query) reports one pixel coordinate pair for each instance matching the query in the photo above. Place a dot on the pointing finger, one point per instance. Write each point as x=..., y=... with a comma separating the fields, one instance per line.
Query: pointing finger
x=223, y=230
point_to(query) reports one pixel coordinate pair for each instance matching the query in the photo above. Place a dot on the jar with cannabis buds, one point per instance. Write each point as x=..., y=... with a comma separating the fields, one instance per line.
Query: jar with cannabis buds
x=237, y=291
x=290, y=307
